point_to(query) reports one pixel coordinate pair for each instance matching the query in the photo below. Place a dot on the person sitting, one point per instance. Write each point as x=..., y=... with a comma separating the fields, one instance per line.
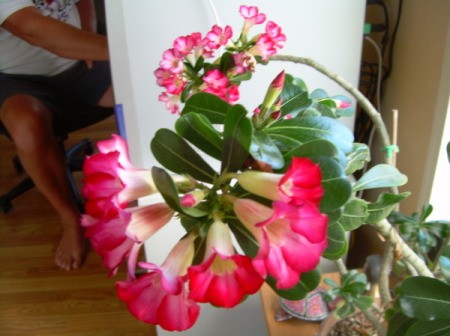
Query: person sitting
x=50, y=58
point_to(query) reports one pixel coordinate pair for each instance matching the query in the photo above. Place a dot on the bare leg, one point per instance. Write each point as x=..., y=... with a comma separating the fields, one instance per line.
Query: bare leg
x=30, y=124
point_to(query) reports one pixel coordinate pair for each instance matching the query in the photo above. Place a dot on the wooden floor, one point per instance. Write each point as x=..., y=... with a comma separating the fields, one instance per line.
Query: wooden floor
x=36, y=298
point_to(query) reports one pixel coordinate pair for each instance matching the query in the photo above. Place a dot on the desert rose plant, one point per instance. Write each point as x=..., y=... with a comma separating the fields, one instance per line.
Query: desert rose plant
x=282, y=192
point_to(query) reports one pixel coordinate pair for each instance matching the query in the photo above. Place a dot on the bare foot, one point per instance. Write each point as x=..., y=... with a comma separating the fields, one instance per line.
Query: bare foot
x=71, y=250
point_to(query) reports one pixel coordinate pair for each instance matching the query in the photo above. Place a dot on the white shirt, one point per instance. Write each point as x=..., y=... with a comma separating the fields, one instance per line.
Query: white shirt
x=18, y=56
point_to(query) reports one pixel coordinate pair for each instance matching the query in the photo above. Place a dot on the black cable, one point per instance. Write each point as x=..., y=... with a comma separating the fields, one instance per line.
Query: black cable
x=394, y=35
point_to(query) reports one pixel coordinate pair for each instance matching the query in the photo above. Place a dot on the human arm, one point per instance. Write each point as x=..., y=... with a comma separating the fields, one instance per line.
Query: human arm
x=88, y=17
x=55, y=36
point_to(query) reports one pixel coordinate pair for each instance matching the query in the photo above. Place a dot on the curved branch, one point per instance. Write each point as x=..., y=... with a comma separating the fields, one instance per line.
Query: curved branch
x=366, y=105
x=389, y=233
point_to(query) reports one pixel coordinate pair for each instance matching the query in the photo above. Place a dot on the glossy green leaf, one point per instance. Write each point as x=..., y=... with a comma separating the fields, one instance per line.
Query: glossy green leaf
x=237, y=139
x=209, y=105
x=424, y=298
x=293, y=132
x=380, y=176
x=354, y=214
x=175, y=154
x=289, y=79
x=429, y=328
x=311, y=149
x=308, y=282
x=337, y=187
x=264, y=149
x=294, y=100
x=169, y=192
x=198, y=130
x=358, y=158
x=383, y=206
x=337, y=243
x=399, y=324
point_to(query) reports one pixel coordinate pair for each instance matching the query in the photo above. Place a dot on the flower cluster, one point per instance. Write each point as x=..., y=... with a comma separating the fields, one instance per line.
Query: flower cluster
x=289, y=229
x=183, y=69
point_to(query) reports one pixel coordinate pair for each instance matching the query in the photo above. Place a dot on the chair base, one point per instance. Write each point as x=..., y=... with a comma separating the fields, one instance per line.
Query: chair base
x=74, y=160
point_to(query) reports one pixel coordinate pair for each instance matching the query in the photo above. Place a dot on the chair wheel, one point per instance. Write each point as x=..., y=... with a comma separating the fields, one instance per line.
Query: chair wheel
x=5, y=204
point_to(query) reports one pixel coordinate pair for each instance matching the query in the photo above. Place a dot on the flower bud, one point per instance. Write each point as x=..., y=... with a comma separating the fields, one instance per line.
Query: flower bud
x=274, y=91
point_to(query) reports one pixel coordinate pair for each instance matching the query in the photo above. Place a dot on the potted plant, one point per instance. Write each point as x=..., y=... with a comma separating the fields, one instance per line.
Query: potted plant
x=282, y=192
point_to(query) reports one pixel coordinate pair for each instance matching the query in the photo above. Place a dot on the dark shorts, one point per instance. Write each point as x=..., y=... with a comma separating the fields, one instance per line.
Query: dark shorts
x=76, y=86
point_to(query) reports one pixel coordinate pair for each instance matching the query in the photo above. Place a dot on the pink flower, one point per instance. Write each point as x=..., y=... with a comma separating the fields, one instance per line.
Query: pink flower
x=114, y=238
x=172, y=62
x=162, y=75
x=108, y=239
x=301, y=182
x=175, y=84
x=252, y=16
x=224, y=278
x=218, y=37
x=172, y=102
x=274, y=32
x=146, y=220
x=267, y=43
x=159, y=297
x=284, y=253
x=243, y=62
x=111, y=181
x=218, y=84
x=184, y=45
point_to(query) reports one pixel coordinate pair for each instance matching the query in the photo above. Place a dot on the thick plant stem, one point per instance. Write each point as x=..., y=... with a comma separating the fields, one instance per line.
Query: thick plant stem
x=341, y=266
x=390, y=234
x=386, y=266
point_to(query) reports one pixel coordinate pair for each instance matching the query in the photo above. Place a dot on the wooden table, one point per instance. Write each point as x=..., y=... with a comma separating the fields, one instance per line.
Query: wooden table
x=293, y=326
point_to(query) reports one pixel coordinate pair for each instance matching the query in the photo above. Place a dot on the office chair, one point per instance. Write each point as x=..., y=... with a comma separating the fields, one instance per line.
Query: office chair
x=78, y=117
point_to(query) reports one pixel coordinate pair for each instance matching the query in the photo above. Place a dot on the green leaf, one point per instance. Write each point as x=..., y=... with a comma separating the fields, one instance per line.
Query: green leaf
x=424, y=298
x=294, y=99
x=363, y=302
x=337, y=187
x=237, y=139
x=198, y=130
x=383, y=206
x=293, y=132
x=308, y=282
x=399, y=324
x=345, y=310
x=356, y=160
x=209, y=105
x=175, y=154
x=380, y=176
x=429, y=328
x=354, y=215
x=311, y=149
x=169, y=192
x=265, y=150
x=296, y=81
x=337, y=243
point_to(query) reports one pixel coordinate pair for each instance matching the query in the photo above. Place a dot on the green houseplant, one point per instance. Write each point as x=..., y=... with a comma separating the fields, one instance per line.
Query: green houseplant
x=282, y=192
